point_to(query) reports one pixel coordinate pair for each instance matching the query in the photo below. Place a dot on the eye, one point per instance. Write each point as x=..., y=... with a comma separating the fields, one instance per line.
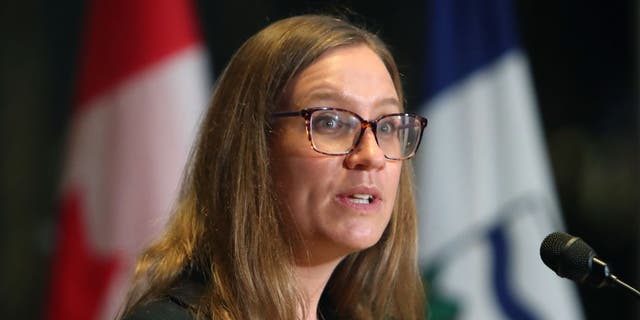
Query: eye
x=327, y=123
x=334, y=123
x=386, y=128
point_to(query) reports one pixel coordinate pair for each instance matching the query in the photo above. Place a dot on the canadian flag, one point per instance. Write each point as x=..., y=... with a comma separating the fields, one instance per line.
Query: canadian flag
x=141, y=88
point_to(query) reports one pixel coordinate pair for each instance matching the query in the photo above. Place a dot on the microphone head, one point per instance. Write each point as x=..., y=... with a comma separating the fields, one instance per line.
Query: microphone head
x=568, y=256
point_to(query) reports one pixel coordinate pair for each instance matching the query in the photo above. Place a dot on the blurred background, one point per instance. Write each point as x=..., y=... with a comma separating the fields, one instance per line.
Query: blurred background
x=583, y=58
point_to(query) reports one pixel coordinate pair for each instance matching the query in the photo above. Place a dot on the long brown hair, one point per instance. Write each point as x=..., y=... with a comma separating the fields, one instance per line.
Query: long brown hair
x=227, y=223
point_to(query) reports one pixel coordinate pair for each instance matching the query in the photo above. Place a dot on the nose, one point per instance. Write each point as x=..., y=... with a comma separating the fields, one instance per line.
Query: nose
x=366, y=155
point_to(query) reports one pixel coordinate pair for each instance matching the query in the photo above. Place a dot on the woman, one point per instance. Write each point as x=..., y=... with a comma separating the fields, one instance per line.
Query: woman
x=294, y=206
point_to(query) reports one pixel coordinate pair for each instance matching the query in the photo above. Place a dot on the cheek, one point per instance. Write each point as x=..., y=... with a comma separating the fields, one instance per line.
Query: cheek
x=392, y=185
x=392, y=177
x=297, y=168
x=301, y=180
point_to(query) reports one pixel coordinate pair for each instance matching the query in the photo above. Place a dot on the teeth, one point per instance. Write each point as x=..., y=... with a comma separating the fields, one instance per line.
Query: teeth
x=361, y=198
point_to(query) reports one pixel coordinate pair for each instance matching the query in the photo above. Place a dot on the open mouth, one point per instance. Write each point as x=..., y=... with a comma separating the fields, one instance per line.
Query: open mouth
x=361, y=198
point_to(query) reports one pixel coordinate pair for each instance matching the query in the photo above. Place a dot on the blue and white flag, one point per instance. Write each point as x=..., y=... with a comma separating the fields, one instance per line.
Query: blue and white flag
x=485, y=192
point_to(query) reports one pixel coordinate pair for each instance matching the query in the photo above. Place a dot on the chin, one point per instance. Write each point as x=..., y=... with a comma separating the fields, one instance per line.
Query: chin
x=331, y=249
x=361, y=243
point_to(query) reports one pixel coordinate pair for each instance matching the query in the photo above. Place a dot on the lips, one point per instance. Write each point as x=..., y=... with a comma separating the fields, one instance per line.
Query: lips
x=361, y=198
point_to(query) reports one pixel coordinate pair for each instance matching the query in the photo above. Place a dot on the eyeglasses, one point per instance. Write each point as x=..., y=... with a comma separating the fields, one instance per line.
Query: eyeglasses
x=334, y=131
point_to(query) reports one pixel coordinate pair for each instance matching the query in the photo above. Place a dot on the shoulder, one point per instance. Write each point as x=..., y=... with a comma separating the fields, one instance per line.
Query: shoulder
x=179, y=303
x=163, y=309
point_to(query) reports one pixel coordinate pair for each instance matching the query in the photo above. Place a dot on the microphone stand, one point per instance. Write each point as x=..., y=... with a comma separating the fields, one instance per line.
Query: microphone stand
x=608, y=278
x=624, y=285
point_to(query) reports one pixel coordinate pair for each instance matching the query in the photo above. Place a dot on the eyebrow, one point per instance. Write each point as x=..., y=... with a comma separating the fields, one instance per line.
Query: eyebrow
x=329, y=94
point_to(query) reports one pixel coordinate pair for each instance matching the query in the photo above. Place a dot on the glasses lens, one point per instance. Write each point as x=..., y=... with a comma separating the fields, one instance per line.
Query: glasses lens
x=398, y=135
x=333, y=131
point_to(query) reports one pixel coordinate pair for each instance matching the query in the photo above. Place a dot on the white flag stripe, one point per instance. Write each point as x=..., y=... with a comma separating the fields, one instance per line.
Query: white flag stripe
x=124, y=134
x=484, y=167
x=484, y=132
x=128, y=150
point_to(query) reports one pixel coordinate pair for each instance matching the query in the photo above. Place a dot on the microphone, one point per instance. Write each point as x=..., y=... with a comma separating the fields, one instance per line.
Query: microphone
x=570, y=257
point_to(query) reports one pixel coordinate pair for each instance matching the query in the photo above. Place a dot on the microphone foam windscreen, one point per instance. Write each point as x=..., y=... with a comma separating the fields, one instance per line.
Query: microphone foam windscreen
x=552, y=247
x=567, y=255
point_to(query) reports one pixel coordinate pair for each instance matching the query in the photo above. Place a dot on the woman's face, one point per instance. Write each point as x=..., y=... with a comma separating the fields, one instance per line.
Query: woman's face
x=325, y=195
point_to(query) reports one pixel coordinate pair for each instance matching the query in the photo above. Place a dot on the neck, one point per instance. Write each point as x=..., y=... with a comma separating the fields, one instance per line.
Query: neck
x=313, y=279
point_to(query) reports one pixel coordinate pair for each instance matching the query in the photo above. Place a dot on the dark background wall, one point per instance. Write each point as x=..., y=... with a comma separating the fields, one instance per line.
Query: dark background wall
x=583, y=56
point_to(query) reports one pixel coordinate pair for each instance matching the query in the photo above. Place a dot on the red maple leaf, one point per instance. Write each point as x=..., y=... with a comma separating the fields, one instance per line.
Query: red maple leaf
x=80, y=277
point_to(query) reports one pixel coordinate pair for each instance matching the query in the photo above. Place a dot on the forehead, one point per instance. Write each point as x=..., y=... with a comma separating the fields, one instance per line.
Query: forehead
x=350, y=76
